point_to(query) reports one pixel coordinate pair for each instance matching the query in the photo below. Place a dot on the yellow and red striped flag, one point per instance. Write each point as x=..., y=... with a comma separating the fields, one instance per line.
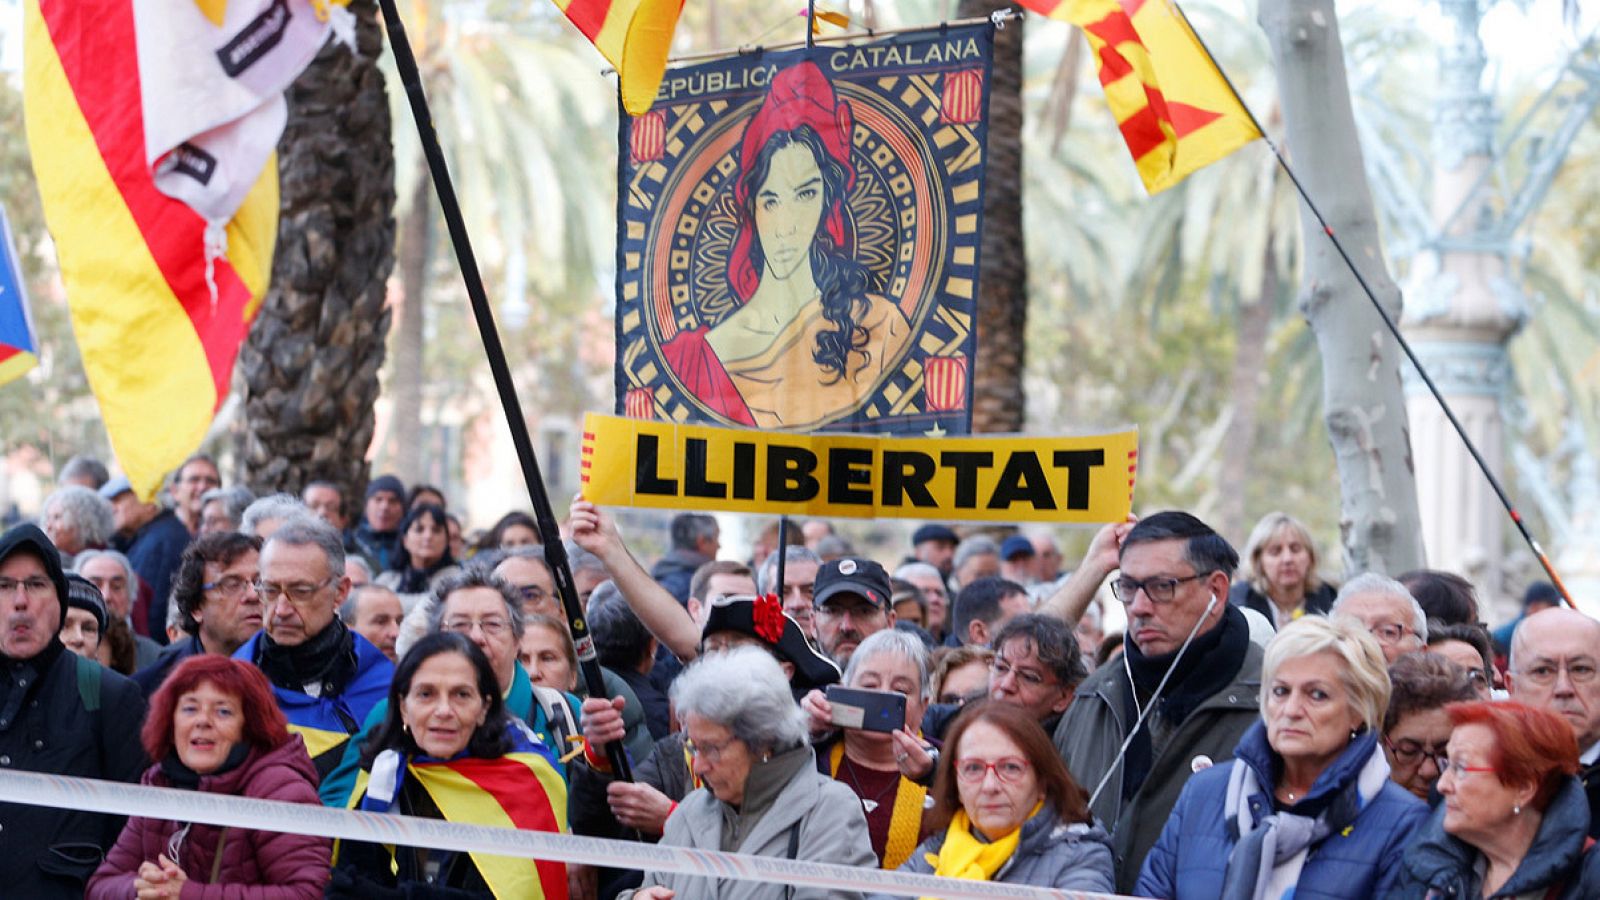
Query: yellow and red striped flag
x=634, y=36
x=151, y=125
x=1174, y=109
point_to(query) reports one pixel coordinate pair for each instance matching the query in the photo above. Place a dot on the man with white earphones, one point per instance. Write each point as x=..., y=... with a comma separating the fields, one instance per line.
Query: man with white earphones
x=1183, y=693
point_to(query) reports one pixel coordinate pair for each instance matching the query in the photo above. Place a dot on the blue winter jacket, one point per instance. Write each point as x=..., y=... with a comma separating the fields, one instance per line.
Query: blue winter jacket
x=1557, y=865
x=1190, y=859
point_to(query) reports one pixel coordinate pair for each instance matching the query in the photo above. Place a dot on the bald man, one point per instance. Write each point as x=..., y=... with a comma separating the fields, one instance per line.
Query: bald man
x=1555, y=664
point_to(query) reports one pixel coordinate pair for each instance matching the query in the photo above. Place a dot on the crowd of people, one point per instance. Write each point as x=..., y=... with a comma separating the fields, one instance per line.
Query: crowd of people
x=1257, y=730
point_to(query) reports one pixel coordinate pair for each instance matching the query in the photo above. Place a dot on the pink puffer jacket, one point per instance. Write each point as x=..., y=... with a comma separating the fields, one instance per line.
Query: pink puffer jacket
x=254, y=865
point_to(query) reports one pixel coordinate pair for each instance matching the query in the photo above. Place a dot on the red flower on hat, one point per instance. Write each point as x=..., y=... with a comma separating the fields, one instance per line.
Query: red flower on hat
x=767, y=616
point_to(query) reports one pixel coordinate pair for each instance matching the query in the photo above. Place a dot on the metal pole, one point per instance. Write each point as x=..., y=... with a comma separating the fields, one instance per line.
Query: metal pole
x=555, y=553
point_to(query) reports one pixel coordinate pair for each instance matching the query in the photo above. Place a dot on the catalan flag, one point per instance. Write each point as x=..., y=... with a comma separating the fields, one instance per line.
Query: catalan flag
x=18, y=346
x=1175, y=110
x=634, y=36
x=151, y=124
x=518, y=790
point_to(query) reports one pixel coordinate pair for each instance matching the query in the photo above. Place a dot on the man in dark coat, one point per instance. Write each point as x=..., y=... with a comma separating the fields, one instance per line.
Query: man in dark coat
x=377, y=536
x=155, y=541
x=59, y=713
x=695, y=542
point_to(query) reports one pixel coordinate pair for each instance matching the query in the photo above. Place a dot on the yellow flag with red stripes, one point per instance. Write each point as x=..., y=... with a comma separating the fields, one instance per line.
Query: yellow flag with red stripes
x=634, y=36
x=1175, y=110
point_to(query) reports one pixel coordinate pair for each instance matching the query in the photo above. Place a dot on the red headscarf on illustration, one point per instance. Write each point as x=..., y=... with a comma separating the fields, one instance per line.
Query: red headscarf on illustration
x=800, y=95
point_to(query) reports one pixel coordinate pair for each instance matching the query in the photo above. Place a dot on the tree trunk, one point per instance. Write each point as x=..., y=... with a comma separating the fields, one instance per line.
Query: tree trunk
x=1363, y=402
x=405, y=377
x=1002, y=314
x=311, y=360
x=1244, y=391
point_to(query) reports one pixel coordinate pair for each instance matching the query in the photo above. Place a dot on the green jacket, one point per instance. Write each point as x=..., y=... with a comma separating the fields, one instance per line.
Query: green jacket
x=1093, y=729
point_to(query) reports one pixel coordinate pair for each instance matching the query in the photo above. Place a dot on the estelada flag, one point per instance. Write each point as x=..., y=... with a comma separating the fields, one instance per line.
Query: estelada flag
x=151, y=124
x=1175, y=110
x=634, y=36
x=18, y=346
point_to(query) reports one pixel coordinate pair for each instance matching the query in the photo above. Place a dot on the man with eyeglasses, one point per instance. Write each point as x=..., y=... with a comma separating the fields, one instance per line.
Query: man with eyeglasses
x=214, y=589
x=1388, y=610
x=1555, y=664
x=1184, y=638
x=61, y=714
x=487, y=610
x=325, y=677
x=852, y=604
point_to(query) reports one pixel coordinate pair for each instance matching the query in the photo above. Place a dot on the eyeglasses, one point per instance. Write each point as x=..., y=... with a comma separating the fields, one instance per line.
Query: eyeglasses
x=229, y=586
x=298, y=594
x=1000, y=669
x=1579, y=671
x=1478, y=677
x=1390, y=634
x=1160, y=589
x=35, y=587
x=491, y=626
x=1458, y=770
x=1412, y=753
x=711, y=753
x=962, y=699
x=1009, y=769
x=533, y=593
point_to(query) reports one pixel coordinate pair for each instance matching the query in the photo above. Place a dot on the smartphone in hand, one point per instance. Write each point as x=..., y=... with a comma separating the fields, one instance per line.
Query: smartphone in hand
x=867, y=710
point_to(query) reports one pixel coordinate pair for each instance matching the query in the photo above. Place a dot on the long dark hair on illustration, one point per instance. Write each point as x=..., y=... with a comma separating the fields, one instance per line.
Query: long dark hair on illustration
x=842, y=282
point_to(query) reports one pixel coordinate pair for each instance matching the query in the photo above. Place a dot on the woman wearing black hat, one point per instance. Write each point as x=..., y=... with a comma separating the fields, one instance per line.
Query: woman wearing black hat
x=85, y=622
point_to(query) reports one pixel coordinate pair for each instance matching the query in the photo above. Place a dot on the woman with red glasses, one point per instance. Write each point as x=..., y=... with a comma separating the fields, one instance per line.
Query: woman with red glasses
x=1006, y=809
x=1514, y=821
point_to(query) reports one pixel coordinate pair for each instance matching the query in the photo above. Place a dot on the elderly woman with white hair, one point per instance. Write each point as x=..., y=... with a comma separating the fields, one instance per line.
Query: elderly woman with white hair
x=1306, y=808
x=76, y=519
x=1387, y=610
x=760, y=789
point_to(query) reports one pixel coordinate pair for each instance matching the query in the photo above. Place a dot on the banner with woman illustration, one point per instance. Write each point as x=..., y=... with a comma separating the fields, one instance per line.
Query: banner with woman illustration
x=798, y=238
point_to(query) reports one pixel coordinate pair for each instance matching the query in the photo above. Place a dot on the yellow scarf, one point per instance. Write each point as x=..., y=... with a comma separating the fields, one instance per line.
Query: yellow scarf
x=905, y=822
x=964, y=856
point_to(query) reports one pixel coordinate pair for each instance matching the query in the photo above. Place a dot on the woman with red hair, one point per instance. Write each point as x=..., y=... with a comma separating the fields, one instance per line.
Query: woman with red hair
x=811, y=337
x=214, y=727
x=1514, y=821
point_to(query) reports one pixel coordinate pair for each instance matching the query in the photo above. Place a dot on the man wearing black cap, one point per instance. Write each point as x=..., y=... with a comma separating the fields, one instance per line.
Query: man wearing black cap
x=852, y=599
x=936, y=546
x=61, y=714
x=377, y=535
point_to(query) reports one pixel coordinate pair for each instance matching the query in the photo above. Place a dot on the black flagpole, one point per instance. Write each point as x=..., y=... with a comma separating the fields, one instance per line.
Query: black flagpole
x=1388, y=320
x=555, y=553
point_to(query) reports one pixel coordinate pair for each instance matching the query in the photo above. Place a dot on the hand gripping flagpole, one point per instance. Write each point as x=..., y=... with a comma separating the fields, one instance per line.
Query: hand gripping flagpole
x=555, y=553
x=1388, y=320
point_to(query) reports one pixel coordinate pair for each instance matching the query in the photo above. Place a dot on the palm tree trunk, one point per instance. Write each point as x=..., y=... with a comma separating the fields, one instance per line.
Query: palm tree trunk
x=1002, y=315
x=310, y=364
x=405, y=377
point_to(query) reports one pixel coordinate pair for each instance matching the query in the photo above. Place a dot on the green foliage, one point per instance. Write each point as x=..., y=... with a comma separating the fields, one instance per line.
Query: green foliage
x=50, y=408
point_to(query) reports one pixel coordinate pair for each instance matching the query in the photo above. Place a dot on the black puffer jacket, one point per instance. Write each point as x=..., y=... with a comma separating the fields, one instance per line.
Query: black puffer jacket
x=65, y=715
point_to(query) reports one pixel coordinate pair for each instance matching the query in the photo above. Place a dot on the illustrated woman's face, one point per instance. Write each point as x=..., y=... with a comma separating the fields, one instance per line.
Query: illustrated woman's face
x=788, y=209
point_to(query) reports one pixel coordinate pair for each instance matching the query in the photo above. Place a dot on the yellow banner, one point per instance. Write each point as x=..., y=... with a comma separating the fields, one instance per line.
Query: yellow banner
x=648, y=464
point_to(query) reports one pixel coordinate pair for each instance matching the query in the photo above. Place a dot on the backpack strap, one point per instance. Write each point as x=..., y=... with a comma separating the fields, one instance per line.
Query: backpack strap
x=89, y=673
x=558, y=715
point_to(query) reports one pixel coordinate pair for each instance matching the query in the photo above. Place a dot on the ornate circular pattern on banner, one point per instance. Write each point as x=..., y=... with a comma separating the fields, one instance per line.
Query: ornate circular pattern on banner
x=882, y=214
